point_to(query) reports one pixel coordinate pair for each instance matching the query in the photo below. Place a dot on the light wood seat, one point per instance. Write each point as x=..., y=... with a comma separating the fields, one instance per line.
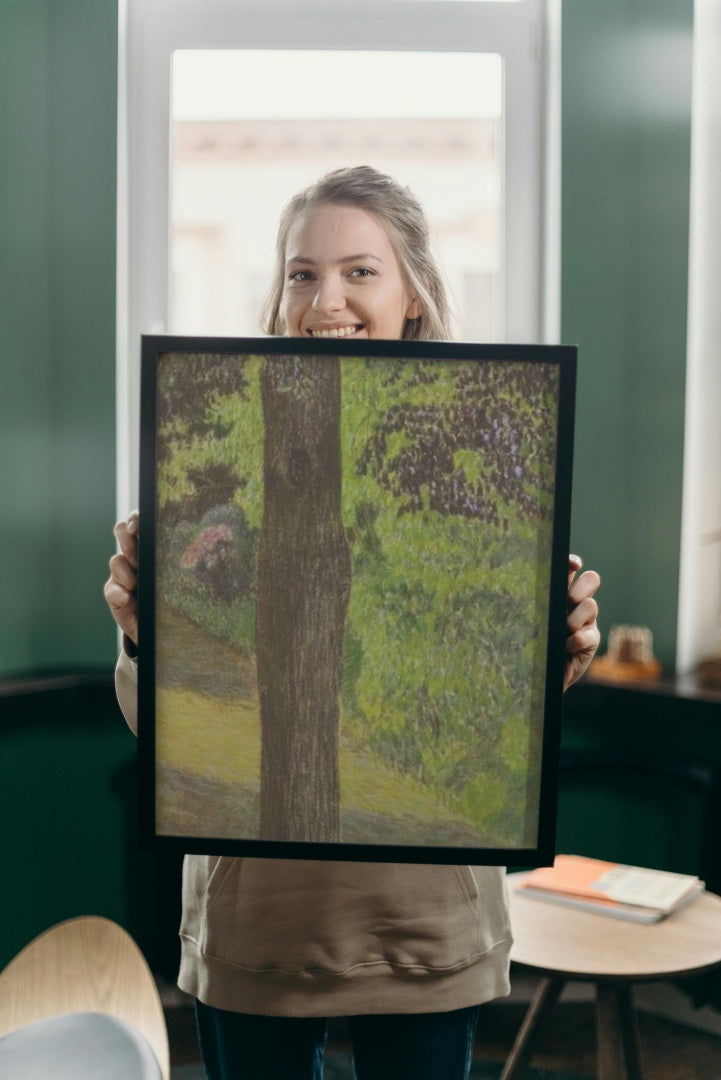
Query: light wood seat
x=563, y=944
x=85, y=965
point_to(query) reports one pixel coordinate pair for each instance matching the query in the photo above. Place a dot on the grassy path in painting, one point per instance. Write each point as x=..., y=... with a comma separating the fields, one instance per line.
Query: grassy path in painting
x=208, y=751
x=221, y=799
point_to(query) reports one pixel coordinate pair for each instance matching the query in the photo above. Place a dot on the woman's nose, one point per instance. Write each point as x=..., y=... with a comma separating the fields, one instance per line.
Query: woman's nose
x=329, y=296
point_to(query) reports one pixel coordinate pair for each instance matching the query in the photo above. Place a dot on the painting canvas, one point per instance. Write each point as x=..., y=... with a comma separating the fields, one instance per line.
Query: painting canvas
x=353, y=568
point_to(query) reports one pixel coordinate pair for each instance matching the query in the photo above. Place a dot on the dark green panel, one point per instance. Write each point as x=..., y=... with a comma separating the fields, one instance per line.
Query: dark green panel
x=626, y=146
x=58, y=75
x=68, y=785
x=25, y=398
x=626, y=817
x=641, y=776
x=83, y=128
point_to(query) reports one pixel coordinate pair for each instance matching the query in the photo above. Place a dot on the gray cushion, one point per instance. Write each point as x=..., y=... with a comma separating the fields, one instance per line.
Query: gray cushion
x=78, y=1046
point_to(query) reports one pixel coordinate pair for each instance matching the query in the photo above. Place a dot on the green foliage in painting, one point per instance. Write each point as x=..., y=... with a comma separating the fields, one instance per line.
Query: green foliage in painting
x=447, y=498
x=210, y=439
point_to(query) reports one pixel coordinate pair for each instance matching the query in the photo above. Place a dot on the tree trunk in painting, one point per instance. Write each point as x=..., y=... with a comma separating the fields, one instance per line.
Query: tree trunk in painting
x=302, y=599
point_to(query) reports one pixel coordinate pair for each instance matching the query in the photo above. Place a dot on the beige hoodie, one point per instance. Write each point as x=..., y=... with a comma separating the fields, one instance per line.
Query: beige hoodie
x=286, y=937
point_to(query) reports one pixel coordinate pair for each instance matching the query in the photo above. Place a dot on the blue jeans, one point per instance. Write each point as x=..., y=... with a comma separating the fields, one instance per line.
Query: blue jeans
x=416, y=1046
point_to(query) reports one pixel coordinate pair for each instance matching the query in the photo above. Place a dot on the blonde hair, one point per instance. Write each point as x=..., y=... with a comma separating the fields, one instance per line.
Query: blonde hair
x=403, y=217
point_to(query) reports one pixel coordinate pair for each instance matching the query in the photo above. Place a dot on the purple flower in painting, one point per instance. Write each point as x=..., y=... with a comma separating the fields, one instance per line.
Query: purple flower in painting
x=218, y=554
x=208, y=548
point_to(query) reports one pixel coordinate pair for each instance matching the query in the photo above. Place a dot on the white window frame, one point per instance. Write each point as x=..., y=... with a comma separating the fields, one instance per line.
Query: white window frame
x=699, y=596
x=526, y=34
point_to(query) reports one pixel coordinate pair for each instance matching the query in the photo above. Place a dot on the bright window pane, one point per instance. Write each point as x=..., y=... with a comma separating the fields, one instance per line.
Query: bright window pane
x=462, y=1
x=252, y=127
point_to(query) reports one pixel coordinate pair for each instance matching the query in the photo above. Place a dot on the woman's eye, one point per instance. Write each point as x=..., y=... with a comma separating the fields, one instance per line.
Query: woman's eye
x=300, y=276
x=362, y=272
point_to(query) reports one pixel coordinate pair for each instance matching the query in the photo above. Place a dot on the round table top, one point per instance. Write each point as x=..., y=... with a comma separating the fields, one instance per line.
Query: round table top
x=559, y=940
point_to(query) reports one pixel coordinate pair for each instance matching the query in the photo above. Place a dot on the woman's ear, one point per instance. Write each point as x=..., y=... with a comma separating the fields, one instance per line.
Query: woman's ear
x=415, y=309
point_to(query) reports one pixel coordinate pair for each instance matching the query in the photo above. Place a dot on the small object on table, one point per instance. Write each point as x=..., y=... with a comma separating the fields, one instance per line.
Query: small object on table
x=709, y=670
x=629, y=657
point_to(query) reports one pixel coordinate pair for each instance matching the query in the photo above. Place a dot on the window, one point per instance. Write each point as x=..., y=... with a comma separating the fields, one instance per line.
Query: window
x=227, y=107
x=236, y=160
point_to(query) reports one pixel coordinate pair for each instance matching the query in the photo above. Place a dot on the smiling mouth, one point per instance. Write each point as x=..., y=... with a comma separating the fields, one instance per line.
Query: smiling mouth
x=335, y=331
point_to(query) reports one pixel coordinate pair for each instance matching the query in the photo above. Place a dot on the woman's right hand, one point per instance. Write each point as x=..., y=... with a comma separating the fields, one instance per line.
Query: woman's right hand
x=121, y=587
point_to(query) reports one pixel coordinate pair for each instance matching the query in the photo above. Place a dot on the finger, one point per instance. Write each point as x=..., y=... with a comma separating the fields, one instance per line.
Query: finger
x=123, y=573
x=584, y=613
x=585, y=585
x=575, y=562
x=123, y=608
x=586, y=640
x=118, y=598
x=126, y=534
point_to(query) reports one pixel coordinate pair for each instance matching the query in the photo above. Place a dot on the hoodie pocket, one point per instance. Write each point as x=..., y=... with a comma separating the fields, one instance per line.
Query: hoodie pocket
x=298, y=916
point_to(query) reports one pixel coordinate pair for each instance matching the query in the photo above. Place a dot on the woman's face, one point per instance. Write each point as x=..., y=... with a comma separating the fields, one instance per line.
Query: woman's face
x=342, y=277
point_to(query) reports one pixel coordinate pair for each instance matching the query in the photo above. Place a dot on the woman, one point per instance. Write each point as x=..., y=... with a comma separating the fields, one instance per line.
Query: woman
x=271, y=948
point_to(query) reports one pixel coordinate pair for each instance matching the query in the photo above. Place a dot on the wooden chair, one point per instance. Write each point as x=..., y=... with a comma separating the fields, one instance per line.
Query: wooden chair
x=90, y=972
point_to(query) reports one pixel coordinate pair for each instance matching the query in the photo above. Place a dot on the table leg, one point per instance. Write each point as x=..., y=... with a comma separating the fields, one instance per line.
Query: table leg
x=617, y=1033
x=545, y=997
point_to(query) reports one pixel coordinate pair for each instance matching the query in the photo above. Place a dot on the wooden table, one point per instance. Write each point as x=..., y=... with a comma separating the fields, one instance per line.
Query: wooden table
x=563, y=944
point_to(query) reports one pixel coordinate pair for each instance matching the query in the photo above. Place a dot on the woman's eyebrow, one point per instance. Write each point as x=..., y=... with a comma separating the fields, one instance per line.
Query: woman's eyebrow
x=361, y=257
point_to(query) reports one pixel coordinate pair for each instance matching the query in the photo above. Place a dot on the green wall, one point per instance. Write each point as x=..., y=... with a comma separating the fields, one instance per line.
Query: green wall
x=58, y=72
x=626, y=145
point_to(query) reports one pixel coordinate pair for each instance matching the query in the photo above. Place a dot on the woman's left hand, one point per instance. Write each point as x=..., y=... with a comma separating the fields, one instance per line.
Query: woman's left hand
x=583, y=635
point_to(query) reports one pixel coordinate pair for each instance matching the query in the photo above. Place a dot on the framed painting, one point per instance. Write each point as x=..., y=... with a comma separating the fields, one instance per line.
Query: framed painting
x=352, y=597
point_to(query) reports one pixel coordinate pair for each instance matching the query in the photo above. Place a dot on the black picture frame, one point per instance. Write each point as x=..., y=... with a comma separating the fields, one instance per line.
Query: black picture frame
x=385, y=564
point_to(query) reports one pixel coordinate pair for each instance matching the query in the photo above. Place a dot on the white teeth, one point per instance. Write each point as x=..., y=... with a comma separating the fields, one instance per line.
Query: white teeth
x=335, y=332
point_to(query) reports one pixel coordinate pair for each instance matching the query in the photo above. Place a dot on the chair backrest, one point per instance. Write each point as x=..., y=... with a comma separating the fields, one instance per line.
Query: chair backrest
x=88, y=964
